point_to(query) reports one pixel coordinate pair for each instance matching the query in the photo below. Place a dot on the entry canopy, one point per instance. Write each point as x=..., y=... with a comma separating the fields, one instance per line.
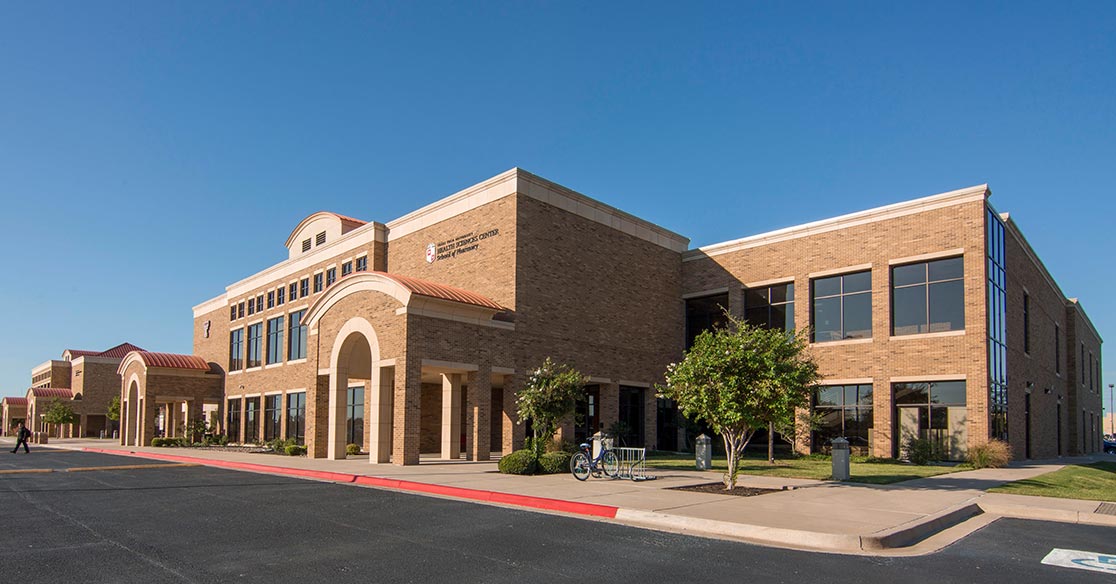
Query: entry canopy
x=164, y=361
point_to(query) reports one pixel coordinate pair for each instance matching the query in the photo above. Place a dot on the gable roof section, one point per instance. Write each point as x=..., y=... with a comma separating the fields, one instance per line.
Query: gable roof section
x=119, y=351
x=165, y=360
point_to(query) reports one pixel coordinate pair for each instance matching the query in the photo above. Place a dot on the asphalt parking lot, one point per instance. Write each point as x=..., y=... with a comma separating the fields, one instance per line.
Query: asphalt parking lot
x=143, y=521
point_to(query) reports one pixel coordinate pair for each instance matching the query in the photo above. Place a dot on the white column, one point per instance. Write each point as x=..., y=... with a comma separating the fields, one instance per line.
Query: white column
x=451, y=416
x=381, y=394
x=338, y=383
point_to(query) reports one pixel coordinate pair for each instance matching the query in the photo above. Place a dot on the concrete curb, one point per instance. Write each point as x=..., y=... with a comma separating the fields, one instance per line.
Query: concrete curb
x=1047, y=514
x=778, y=536
x=911, y=533
x=572, y=507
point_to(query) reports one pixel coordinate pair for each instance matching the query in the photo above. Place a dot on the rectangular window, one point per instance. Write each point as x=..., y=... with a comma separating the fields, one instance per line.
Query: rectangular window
x=317, y=283
x=704, y=314
x=296, y=417
x=362, y=264
x=1026, y=323
x=843, y=411
x=236, y=350
x=305, y=245
x=259, y=303
x=1082, y=363
x=320, y=239
x=331, y=276
x=928, y=297
x=1091, y=372
x=232, y=427
x=232, y=312
x=841, y=307
x=934, y=411
x=255, y=344
x=251, y=307
x=770, y=307
x=296, y=348
x=304, y=288
x=292, y=291
x=354, y=420
x=279, y=293
x=1057, y=348
x=252, y=419
x=240, y=310
x=275, y=340
x=273, y=410
x=271, y=299
x=346, y=269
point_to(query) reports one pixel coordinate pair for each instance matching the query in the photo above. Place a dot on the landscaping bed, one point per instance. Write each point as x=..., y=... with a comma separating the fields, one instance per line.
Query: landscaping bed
x=863, y=469
x=719, y=489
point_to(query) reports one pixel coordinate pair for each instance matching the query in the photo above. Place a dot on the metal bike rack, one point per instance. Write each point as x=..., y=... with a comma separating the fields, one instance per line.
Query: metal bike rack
x=633, y=464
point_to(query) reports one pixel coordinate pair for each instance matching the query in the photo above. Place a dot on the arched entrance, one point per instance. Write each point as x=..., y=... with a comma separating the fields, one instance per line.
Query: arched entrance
x=131, y=425
x=356, y=379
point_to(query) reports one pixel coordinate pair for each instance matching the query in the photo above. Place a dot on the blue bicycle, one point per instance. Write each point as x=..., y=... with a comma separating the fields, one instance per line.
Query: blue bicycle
x=583, y=463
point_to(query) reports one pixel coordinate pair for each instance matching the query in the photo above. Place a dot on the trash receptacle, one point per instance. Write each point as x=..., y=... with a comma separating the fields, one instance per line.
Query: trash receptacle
x=703, y=453
x=840, y=459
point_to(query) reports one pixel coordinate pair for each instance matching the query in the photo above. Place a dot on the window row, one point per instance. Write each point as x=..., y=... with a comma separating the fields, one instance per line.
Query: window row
x=246, y=345
x=246, y=415
x=926, y=297
x=295, y=290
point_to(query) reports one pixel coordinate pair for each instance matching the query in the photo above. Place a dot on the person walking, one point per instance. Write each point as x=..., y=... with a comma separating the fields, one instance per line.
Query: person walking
x=22, y=434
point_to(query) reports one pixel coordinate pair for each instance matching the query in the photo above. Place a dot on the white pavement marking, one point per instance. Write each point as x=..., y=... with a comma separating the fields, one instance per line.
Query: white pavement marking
x=1097, y=562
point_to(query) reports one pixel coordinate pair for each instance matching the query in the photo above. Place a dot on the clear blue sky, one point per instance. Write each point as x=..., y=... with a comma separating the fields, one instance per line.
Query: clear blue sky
x=152, y=153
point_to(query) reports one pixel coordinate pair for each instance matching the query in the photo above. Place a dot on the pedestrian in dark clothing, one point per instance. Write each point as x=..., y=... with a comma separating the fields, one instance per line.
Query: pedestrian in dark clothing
x=22, y=434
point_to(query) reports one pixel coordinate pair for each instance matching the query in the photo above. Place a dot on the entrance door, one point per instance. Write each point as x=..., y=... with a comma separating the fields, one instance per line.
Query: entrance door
x=587, y=419
x=667, y=424
x=354, y=422
x=631, y=416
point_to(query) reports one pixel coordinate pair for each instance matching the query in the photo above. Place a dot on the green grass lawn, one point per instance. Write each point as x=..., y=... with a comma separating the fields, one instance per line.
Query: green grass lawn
x=879, y=471
x=1095, y=482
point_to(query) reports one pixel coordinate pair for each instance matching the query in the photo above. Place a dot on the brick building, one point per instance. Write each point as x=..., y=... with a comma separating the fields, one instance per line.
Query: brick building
x=86, y=380
x=13, y=410
x=930, y=318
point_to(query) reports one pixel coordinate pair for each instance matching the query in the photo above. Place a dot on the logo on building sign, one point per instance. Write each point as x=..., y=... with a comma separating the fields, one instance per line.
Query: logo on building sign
x=431, y=253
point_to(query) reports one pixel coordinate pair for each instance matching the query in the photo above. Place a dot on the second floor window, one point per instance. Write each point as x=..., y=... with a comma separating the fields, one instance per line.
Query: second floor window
x=275, y=340
x=928, y=297
x=346, y=269
x=279, y=296
x=236, y=350
x=271, y=299
x=770, y=307
x=331, y=276
x=292, y=291
x=255, y=344
x=304, y=288
x=317, y=283
x=703, y=314
x=297, y=339
x=841, y=307
x=362, y=264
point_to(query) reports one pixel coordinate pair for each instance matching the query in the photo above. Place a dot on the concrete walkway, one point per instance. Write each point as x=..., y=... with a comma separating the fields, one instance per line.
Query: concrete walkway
x=912, y=517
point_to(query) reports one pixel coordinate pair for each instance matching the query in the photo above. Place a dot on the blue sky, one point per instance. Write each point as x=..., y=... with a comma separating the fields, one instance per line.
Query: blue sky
x=152, y=153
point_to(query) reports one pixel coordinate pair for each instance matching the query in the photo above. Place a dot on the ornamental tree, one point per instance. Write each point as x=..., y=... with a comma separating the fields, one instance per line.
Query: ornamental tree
x=738, y=378
x=551, y=393
x=58, y=413
x=114, y=408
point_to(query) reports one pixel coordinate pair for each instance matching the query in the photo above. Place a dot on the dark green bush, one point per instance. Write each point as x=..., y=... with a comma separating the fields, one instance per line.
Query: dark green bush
x=920, y=451
x=352, y=449
x=295, y=450
x=520, y=462
x=158, y=442
x=555, y=462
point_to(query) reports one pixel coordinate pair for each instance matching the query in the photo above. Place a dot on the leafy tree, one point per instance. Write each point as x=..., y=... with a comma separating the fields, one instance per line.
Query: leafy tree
x=114, y=409
x=738, y=378
x=551, y=393
x=59, y=412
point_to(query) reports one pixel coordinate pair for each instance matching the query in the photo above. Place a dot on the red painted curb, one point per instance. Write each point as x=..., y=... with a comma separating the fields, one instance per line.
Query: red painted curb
x=573, y=507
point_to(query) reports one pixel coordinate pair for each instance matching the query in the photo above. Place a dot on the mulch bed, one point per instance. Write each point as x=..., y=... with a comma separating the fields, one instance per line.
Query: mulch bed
x=719, y=489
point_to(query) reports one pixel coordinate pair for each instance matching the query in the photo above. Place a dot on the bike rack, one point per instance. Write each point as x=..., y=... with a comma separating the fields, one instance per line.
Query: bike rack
x=633, y=464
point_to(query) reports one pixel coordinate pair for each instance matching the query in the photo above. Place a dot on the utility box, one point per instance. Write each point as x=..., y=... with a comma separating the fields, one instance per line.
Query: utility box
x=703, y=453
x=840, y=459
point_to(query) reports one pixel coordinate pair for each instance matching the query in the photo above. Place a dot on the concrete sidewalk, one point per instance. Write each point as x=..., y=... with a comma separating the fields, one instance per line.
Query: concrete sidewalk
x=907, y=518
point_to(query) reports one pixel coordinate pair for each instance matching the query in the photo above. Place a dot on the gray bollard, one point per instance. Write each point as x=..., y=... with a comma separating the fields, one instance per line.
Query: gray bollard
x=703, y=452
x=840, y=459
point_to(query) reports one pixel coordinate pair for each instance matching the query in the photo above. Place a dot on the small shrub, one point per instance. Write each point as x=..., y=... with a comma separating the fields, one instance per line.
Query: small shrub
x=295, y=450
x=352, y=449
x=520, y=462
x=920, y=451
x=991, y=454
x=158, y=442
x=555, y=462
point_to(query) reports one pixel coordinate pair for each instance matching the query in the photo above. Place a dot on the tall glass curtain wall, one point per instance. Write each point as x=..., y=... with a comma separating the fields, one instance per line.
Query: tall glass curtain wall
x=355, y=416
x=934, y=411
x=997, y=326
x=843, y=411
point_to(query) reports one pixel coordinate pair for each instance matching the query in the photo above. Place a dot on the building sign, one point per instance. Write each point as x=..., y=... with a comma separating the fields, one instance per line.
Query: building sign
x=462, y=244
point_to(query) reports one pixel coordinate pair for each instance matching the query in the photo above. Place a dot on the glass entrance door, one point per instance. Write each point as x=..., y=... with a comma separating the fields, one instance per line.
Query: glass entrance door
x=354, y=423
x=587, y=419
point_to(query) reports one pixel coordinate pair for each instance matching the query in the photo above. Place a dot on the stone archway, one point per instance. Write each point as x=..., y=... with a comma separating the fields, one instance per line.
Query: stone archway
x=356, y=355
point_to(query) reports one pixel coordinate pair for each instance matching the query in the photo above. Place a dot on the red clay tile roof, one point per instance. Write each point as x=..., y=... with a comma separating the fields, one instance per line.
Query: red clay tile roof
x=349, y=219
x=119, y=351
x=441, y=291
x=51, y=392
x=15, y=401
x=75, y=353
x=173, y=361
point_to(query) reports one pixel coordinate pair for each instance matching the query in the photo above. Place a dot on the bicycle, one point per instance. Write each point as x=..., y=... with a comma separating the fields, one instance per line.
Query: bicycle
x=583, y=463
